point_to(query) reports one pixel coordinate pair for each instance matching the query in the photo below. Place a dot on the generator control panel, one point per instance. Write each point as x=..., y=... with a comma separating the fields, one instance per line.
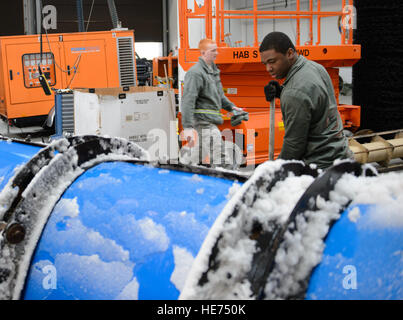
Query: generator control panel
x=31, y=63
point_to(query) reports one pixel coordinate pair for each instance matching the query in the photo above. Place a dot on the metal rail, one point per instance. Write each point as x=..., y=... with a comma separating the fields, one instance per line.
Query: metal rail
x=379, y=150
x=209, y=13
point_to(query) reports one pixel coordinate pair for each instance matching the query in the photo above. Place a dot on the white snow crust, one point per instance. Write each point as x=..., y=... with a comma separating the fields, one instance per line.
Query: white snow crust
x=236, y=247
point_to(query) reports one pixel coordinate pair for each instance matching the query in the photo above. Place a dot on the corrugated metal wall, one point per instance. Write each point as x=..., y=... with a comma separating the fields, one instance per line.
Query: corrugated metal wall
x=144, y=17
x=378, y=77
x=11, y=18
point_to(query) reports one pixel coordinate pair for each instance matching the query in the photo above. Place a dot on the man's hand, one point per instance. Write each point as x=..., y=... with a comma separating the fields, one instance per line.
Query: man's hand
x=272, y=90
x=189, y=135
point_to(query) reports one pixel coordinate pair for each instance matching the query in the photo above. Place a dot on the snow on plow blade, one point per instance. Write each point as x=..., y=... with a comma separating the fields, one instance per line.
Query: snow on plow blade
x=12, y=155
x=272, y=240
x=91, y=218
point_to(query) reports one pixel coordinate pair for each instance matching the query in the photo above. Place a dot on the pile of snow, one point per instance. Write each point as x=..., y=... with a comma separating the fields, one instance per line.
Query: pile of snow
x=384, y=193
x=302, y=248
x=236, y=248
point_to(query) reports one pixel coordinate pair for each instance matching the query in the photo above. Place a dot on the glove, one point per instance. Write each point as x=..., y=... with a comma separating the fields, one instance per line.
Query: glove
x=238, y=117
x=272, y=90
x=236, y=110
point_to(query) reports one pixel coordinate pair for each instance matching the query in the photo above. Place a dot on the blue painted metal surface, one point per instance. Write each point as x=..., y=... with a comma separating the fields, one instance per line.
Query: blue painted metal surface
x=363, y=258
x=13, y=154
x=125, y=231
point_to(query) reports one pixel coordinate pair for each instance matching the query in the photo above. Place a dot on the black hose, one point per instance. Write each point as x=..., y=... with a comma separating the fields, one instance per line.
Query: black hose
x=80, y=15
x=113, y=13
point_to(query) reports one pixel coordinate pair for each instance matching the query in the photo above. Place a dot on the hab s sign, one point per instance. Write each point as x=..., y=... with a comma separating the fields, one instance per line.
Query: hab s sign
x=245, y=54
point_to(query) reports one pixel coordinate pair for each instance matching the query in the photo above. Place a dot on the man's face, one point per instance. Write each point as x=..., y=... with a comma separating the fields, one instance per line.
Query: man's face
x=210, y=53
x=277, y=64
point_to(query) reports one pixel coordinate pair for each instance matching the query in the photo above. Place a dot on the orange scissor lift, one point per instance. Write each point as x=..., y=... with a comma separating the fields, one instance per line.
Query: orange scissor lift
x=243, y=75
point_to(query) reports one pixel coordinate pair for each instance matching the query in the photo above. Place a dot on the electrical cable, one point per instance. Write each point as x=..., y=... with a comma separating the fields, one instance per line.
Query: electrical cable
x=54, y=60
x=89, y=16
x=77, y=62
x=75, y=71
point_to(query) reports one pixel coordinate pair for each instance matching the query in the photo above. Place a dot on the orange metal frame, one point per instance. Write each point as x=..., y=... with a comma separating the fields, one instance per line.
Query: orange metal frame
x=163, y=67
x=244, y=76
x=345, y=54
x=206, y=12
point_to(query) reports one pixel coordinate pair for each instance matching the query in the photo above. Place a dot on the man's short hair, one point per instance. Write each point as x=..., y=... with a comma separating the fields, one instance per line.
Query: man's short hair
x=278, y=41
x=204, y=43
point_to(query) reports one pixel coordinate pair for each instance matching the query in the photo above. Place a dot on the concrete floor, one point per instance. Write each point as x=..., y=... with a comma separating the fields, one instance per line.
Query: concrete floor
x=34, y=134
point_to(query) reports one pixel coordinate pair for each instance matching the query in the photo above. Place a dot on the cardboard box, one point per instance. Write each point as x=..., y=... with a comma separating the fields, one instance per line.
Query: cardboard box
x=143, y=115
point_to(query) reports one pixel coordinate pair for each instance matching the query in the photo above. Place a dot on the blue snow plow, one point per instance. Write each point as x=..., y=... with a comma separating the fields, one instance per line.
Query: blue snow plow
x=91, y=218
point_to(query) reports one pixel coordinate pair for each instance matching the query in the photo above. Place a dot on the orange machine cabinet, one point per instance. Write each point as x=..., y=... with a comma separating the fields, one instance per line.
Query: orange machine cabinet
x=71, y=60
x=163, y=68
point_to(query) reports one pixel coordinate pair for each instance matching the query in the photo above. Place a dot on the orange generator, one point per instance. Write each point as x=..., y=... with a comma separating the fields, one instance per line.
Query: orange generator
x=70, y=60
x=244, y=76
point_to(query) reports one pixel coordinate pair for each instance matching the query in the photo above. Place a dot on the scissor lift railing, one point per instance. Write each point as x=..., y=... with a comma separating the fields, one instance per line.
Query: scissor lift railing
x=298, y=15
x=214, y=17
x=219, y=14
